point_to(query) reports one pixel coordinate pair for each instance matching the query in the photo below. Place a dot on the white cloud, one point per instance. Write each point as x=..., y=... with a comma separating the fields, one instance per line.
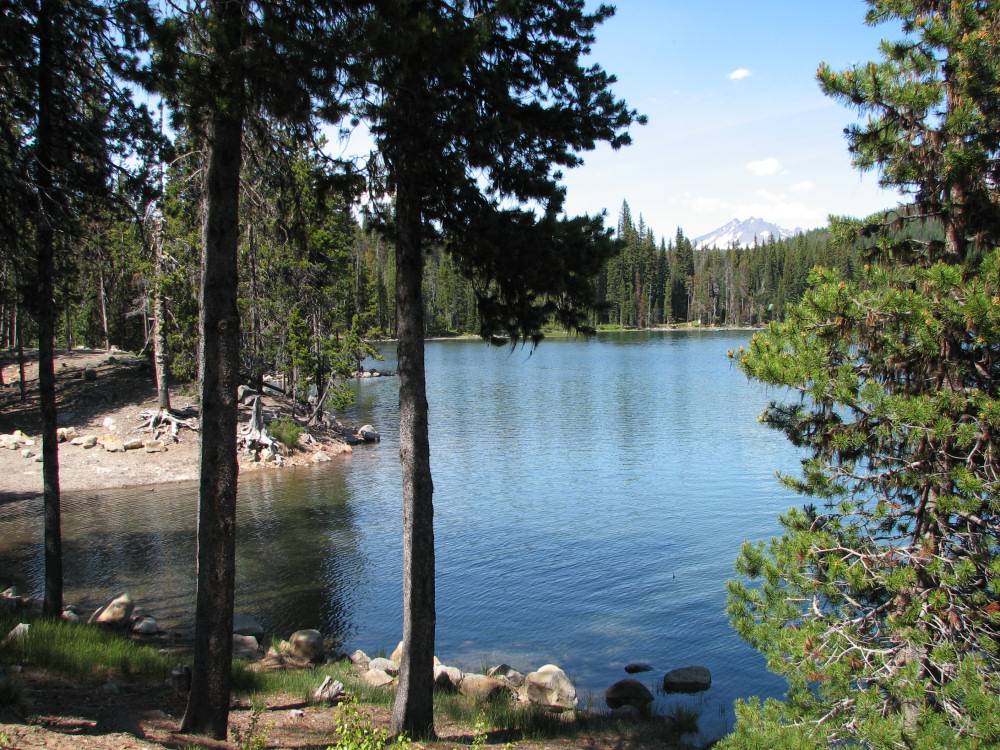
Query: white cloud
x=764, y=167
x=767, y=195
x=739, y=74
x=803, y=187
x=705, y=205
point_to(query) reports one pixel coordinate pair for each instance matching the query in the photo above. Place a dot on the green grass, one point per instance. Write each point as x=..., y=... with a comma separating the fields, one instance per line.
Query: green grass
x=81, y=650
x=285, y=431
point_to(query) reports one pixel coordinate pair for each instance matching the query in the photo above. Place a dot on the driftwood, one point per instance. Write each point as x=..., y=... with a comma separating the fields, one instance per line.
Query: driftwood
x=253, y=435
x=167, y=421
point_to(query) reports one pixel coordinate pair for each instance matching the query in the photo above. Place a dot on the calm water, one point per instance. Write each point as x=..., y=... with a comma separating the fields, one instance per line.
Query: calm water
x=590, y=499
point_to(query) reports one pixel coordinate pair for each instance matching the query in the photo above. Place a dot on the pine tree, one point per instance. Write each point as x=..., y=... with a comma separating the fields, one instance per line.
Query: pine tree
x=881, y=604
x=217, y=63
x=476, y=104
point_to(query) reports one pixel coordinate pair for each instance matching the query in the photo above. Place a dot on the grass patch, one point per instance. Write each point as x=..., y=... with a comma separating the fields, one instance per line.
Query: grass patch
x=82, y=650
x=285, y=431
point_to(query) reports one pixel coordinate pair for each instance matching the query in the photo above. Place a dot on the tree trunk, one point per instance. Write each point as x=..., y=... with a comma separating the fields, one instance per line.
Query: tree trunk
x=413, y=711
x=207, y=710
x=104, y=309
x=161, y=365
x=45, y=238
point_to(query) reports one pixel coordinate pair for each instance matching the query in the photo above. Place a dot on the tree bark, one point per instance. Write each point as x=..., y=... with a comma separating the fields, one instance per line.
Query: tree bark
x=45, y=239
x=207, y=710
x=161, y=365
x=413, y=711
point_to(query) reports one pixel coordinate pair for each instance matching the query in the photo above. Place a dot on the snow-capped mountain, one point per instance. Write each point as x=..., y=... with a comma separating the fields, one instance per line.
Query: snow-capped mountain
x=744, y=232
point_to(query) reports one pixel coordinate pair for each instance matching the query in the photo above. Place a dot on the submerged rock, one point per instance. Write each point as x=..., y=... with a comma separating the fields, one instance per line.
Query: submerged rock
x=687, y=680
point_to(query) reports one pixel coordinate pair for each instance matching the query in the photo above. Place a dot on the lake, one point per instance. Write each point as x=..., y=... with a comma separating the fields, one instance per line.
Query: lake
x=590, y=499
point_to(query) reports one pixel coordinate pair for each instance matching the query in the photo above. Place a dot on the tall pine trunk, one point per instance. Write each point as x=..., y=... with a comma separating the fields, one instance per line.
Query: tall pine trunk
x=207, y=710
x=413, y=711
x=161, y=365
x=48, y=19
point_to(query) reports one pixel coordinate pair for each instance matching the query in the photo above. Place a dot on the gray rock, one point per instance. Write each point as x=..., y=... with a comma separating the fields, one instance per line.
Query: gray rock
x=506, y=673
x=369, y=434
x=245, y=647
x=550, y=688
x=132, y=445
x=154, y=446
x=687, y=680
x=628, y=692
x=637, y=667
x=246, y=625
x=145, y=625
x=308, y=645
x=386, y=665
x=319, y=457
x=88, y=441
x=360, y=658
x=119, y=722
x=447, y=678
x=626, y=712
x=377, y=678
x=18, y=632
x=482, y=687
x=115, y=612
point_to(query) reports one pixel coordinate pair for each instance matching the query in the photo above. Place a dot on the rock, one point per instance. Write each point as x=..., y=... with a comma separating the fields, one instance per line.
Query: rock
x=132, y=445
x=447, y=678
x=76, y=441
x=329, y=691
x=360, y=658
x=319, y=457
x=245, y=647
x=27, y=453
x=70, y=616
x=386, y=665
x=550, y=688
x=145, y=626
x=39, y=459
x=482, y=687
x=89, y=373
x=243, y=391
x=115, y=612
x=118, y=722
x=369, y=434
x=308, y=645
x=18, y=632
x=154, y=446
x=506, y=673
x=180, y=678
x=627, y=712
x=108, y=423
x=377, y=678
x=88, y=441
x=397, y=655
x=637, y=667
x=628, y=692
x=113, y=446
x=246, y=625
x=687, y=680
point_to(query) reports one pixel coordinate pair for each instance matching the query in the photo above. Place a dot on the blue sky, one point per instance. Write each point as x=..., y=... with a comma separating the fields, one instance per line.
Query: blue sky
x=737, y=124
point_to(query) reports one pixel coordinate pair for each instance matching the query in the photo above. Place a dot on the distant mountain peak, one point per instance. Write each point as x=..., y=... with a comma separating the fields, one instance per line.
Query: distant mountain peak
x=745, y=232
